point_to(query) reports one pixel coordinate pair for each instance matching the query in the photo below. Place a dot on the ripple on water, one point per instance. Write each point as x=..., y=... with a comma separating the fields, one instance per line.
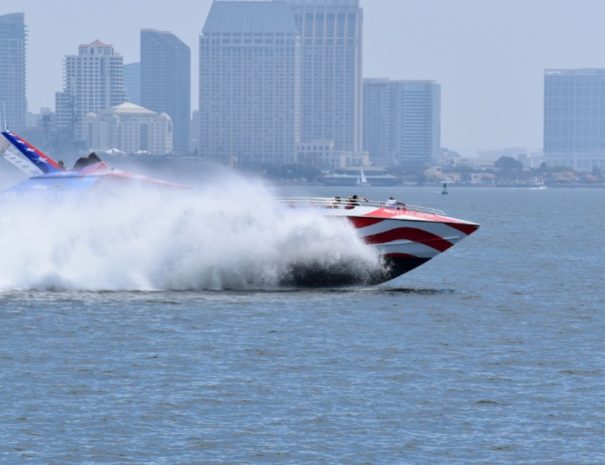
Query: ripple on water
x=490, y=354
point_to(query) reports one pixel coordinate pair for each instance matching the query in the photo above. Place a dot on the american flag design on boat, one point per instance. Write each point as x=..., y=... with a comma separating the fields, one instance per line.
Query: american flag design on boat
x=406, y=236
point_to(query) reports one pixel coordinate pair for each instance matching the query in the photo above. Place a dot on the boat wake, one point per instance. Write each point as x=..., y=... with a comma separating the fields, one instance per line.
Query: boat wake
x=232, y=236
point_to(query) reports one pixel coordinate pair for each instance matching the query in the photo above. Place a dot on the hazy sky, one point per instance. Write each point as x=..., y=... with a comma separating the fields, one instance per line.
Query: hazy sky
x=488, y=55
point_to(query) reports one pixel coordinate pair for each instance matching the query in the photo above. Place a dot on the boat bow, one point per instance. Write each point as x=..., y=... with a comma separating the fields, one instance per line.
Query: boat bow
x=405, y=236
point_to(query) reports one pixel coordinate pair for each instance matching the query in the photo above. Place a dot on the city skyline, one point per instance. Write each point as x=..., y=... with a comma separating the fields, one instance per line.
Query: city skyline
x=498, y=103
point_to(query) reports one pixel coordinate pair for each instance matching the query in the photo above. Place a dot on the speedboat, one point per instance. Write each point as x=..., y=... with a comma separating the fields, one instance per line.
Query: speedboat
x=49, y=179
x=404, y=236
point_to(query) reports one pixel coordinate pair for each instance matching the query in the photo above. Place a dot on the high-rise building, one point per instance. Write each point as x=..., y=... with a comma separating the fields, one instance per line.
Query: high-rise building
x=13, y=42
x=402, y=121
x=93, y=81
x=166, y=82
x=574, y=118
x=377, y=123
x=331, y=67
x=249, y=83
x=132, y=82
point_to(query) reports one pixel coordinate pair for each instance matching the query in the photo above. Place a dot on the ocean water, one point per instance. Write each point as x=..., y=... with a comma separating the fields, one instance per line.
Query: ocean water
x=492, y=353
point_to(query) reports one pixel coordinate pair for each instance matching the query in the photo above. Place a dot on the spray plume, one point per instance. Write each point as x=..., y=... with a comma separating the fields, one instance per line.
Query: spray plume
x=227, y=236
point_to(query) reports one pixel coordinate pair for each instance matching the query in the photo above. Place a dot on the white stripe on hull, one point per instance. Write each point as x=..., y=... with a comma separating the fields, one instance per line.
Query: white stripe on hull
x=415, y=249
x=439, y=229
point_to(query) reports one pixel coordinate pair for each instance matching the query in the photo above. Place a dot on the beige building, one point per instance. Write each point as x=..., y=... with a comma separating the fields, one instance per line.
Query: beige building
x=323, y=154
x=131, y=129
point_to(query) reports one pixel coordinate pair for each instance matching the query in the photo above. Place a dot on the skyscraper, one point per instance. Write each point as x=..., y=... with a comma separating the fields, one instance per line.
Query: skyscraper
x=331, y=67
x=402, y=121
x=93, y=81
x=166, y=81
x=377, y=120
x=13, y=41
x=574, y=118
x=132, y=82
x=249, y=83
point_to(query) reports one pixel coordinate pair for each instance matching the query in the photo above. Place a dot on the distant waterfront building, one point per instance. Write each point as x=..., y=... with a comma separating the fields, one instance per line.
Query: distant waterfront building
x=132, y=82
x=319, y=153
x=166, y=82
x=331, y=70
x=402, y=121
x=93, y=81
x=322, y=154
x=249, y=84
x=13, y=43
x=574, y=118
x=131, y=129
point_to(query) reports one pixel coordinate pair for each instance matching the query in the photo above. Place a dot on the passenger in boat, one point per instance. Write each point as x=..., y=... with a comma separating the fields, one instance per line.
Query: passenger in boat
x=83, y=162
x=94, y=158
x=336, y=203
x=391, y=203
x=353, y=202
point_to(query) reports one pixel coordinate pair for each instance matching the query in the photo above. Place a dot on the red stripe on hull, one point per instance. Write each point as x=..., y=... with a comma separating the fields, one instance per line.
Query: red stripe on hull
x=363, y=221
x=410, y=234
x=467, y=229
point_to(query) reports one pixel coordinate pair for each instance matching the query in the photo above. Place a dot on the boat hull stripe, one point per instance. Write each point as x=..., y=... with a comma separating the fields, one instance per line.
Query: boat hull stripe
x=410, y=234
x=443, y=230
x=414, y=249
x=465, y=228
x=363, y=222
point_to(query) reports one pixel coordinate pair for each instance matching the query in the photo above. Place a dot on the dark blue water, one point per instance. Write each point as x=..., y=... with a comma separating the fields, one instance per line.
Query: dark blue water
x=492, y=353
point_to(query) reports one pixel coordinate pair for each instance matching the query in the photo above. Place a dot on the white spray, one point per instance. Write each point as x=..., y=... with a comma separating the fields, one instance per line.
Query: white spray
x=232, y=236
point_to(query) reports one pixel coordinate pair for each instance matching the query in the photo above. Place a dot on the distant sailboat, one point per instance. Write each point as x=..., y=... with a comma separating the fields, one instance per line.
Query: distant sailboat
x=362, y=180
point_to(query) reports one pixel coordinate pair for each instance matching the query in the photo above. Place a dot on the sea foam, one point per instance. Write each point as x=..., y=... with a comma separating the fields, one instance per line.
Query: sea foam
x=228, y=235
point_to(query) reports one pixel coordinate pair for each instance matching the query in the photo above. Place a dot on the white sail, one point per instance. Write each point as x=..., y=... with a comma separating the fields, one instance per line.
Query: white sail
x=362, y=177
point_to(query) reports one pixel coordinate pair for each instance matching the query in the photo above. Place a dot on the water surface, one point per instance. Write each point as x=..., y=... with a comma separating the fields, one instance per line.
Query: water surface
x=491, y=353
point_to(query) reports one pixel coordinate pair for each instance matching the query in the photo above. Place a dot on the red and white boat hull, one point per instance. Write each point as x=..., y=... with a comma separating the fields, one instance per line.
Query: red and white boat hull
x=405, y=238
